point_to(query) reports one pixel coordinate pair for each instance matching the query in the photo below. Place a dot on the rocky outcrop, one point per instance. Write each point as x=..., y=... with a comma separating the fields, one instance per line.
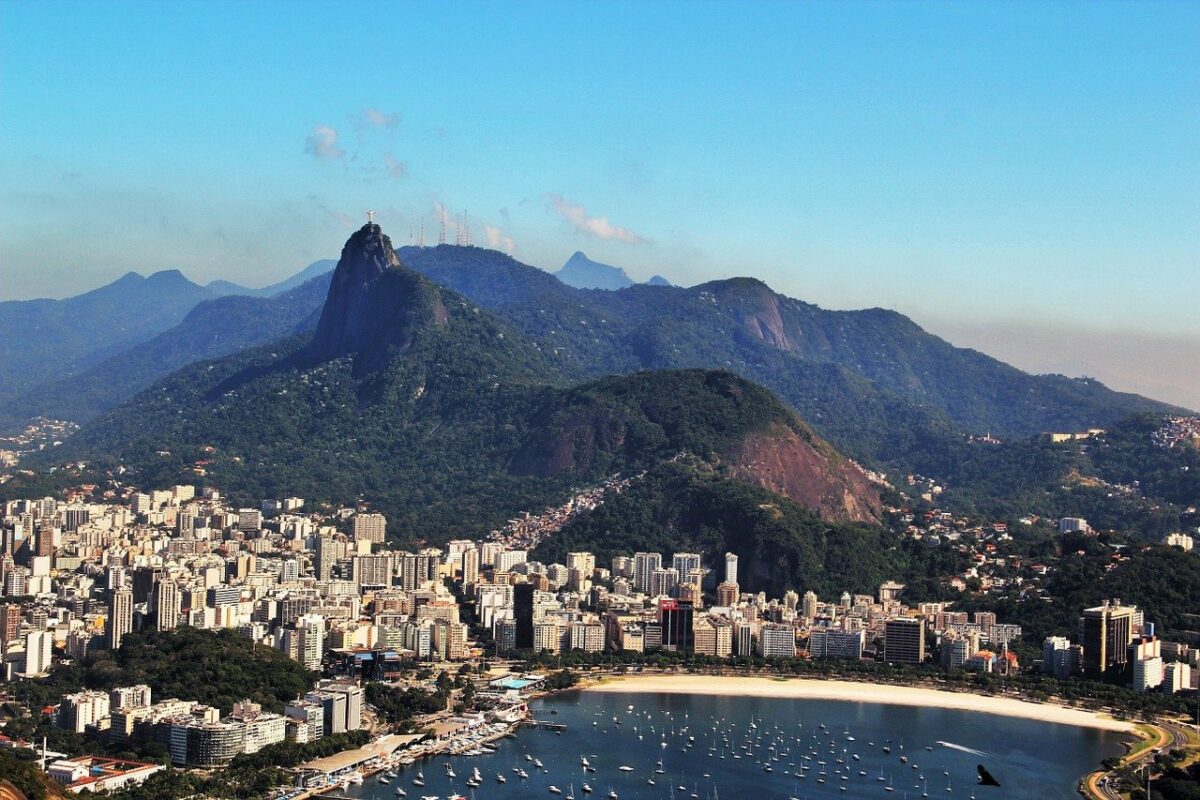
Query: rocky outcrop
x=755, y=308
x=375, y=307
x=807, y=471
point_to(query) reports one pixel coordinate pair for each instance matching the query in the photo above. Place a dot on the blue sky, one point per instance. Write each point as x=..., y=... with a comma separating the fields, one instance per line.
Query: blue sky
x=981, y=162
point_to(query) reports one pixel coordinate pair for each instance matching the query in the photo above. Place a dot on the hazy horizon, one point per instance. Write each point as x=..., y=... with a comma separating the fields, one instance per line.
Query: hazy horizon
x=1155, y=365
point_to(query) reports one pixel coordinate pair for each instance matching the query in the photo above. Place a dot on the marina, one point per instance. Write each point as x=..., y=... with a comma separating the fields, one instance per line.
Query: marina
x=679, y=747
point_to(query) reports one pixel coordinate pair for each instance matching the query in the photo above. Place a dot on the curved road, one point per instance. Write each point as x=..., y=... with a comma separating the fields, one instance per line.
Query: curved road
x=1170, y=736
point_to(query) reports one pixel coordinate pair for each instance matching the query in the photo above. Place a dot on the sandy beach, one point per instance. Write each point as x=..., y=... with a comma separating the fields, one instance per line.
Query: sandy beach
x=802, y=688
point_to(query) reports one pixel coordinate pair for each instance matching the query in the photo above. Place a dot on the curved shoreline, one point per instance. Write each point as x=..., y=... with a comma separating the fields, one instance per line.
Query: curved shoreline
x=854, y=692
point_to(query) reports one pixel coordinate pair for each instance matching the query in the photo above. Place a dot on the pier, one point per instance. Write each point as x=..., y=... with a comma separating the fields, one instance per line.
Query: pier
x=545, y=724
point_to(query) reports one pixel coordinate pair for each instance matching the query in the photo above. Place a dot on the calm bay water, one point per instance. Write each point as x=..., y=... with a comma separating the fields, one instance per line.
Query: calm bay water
x=1030, y=759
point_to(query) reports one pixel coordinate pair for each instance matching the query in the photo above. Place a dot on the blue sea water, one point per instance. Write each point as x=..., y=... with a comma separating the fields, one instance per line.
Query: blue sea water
x=691, y=733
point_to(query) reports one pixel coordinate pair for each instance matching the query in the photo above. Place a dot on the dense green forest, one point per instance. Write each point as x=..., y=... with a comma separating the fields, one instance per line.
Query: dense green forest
x=1175, y=783
x=1044, y=479
x=398, y=706
x=218, y=668
x=1126, y=454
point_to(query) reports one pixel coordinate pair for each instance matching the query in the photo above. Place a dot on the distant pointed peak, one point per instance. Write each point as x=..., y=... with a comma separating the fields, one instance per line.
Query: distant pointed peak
x=584, y=273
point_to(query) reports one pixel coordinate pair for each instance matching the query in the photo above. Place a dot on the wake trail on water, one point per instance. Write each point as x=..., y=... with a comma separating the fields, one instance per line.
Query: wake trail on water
x=970, y=750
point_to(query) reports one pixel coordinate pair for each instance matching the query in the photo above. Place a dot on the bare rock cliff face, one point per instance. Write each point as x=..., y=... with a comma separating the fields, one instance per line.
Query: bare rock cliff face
x=755, y=308
x=783, y=461
x=375, y=307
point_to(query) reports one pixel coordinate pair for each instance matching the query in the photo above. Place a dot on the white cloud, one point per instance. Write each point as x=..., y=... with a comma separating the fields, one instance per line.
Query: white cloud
x=497, y=239
x=375, y=118
x=322, y=143
x=395, y=169
x=599, y=227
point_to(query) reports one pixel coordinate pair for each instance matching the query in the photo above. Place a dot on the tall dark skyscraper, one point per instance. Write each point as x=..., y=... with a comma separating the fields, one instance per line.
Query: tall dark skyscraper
x=904, y=641
x=144, y=581
x=676, y=619
x=1107, y=631
x=523, y=615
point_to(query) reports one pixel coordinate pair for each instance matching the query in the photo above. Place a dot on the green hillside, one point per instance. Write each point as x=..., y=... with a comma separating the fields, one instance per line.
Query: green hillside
x=448, y=420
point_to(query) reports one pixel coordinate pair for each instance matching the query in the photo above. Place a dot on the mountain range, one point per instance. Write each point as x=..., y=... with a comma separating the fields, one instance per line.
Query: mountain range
x=213, y=328
x=454, y=387
x=313, y=270
x=75, y=358
x=871, y=381
x=450, y=420
x=817, y=360
x=40, y=339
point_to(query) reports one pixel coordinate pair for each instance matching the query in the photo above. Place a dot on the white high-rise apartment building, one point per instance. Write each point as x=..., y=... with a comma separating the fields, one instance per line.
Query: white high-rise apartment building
x=506, y=560
x=166, y=605
x=37, y=652
x=1147, y=673
x=731, y=568
x=686, y=564
x=644, y=567
x=120, y=617
x=311, y=644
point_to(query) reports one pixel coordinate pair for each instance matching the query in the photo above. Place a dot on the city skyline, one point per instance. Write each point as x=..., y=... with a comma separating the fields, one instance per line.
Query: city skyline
x=421, y=399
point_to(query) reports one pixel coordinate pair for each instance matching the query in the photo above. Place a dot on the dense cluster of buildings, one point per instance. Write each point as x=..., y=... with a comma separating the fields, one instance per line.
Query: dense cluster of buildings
x=197, y=734
x=1177, y=430
x=1116, y=643
x=329, y=592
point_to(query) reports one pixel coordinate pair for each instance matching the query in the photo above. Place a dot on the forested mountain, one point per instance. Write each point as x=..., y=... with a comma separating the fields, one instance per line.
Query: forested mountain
x=810, y=356
x=871, y=381
x=213, y=328
x=688, y=506
x=42, y=339
x=447, y=418
x=1131, y=452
